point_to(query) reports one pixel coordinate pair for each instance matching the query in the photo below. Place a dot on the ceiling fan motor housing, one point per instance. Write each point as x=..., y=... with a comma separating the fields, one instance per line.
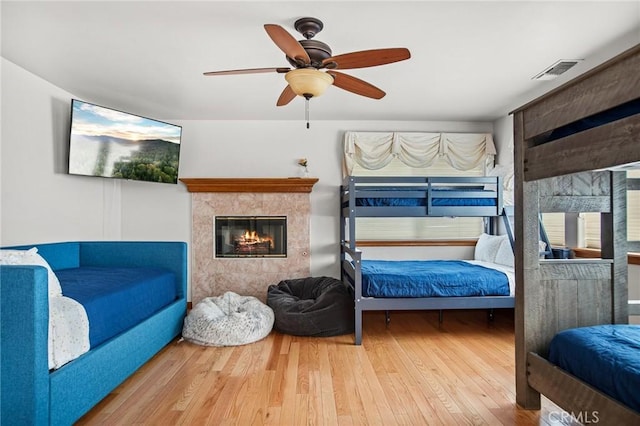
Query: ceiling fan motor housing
x=317, y=51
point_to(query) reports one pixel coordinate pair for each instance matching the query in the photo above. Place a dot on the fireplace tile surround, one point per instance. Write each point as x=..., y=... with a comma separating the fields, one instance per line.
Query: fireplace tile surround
x=210, y=197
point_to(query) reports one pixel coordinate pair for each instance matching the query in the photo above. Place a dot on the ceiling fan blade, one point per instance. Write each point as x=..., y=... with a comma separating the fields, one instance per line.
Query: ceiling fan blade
x=355, y=85
x=287, y=43
x=367, y=58
x=249, y=71
x=286, y=96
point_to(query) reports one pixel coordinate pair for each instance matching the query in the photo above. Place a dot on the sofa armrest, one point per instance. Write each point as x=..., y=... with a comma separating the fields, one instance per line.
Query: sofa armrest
x=171, y=255
x=24, y=322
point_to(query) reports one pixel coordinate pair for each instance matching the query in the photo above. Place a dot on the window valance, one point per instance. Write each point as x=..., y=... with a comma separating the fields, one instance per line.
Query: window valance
x=374, y=150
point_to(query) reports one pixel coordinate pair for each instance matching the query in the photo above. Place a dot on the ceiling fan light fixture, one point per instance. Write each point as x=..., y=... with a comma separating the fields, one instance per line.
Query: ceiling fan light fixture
x=308, y=82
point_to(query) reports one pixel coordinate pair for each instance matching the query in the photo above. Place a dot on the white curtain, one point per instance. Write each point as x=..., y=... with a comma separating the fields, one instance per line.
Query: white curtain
x=374, y=150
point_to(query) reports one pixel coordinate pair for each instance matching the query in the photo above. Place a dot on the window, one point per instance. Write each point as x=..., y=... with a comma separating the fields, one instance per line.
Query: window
x=554, y=227
x=589, y=223
x=592, y=220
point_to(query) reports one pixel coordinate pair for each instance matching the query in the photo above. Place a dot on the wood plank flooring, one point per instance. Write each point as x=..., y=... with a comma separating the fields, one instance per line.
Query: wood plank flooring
x=412, y=372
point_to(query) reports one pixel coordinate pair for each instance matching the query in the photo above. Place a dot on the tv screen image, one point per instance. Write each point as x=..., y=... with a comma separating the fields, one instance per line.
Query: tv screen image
x=114, y=144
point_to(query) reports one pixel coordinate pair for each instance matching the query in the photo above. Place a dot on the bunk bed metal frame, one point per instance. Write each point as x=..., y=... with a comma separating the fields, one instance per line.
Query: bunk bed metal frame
x=428, y=189
x=559, y=176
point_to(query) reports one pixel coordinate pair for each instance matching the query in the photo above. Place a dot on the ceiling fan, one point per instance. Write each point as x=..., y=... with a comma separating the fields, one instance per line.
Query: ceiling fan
x=308, y=57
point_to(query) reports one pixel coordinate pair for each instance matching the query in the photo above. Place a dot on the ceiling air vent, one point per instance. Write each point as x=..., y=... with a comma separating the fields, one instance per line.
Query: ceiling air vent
x=556, y=69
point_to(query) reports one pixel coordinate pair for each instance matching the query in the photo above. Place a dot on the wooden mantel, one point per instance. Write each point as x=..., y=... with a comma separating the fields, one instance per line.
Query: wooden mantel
x=292, y=184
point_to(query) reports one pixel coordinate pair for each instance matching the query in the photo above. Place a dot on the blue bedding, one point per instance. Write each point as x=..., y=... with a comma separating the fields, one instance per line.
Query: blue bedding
x=430, y=278
x=411, y=202
x=117, y=298
x=605, y=356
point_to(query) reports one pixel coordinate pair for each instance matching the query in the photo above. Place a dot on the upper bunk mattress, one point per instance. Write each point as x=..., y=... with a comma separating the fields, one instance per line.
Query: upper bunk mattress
x=431, y=278
x=117, y=298
x=605, y=356
x=616, y=113
x=440, y=200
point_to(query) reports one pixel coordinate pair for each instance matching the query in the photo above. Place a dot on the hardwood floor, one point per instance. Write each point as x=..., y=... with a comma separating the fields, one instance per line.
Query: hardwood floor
x=413, y=372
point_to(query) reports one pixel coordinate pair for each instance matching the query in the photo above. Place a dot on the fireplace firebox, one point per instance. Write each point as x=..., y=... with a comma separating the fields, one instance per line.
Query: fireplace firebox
x=250, y=236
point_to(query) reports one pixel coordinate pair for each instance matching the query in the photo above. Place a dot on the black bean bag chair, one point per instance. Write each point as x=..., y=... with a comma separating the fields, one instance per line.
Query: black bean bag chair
x=313, y=306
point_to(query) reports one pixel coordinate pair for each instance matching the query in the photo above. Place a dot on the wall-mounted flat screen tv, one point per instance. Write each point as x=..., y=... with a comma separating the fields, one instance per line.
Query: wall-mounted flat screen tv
x=114, y=144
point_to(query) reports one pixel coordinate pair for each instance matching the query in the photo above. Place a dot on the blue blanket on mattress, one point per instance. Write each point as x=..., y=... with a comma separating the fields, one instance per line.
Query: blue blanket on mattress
x=430, y=278
x=411, y=202
x=605, y=356
x=117, y=298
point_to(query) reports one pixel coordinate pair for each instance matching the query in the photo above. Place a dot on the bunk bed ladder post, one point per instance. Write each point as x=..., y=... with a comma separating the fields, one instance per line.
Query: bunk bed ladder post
x=527, y=317
x=633, y=184
x=614, y=246
x=491, y=223
x=357, y=261
x=352, y=213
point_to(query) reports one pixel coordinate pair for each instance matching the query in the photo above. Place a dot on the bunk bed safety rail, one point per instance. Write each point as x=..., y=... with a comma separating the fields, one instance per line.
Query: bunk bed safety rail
x=396, y=196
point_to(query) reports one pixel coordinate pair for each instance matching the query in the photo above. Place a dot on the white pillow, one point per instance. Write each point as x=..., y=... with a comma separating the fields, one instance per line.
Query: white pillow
x=31, y=257
x=506, y=172
x=487, y=247
x=504, y=256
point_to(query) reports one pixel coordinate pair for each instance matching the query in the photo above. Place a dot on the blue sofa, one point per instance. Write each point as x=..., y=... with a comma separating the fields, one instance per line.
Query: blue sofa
x=30, y=393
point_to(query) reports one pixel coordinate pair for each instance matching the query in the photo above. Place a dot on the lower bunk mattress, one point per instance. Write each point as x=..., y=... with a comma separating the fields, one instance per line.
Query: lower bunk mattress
x=440, y=198
x=435, y=278
x=115, y=299
x=606, y=357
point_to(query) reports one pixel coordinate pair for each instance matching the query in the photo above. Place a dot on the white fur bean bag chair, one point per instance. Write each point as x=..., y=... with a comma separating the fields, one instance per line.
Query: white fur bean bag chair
x=228, y=320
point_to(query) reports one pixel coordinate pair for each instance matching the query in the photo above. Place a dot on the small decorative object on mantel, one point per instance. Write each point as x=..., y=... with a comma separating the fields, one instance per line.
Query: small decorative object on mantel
x=304, y=164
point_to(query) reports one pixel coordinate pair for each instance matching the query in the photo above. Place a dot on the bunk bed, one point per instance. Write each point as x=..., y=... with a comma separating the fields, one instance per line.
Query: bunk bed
x=369, y=196
x=566, y=146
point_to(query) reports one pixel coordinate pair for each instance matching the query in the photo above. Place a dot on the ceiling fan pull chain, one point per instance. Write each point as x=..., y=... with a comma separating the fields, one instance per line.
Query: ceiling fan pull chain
x=306, y=110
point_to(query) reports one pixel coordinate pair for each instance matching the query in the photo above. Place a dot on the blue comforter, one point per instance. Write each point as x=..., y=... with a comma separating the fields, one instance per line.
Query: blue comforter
x=430, y=278
x=605, y=356
x=117, y=298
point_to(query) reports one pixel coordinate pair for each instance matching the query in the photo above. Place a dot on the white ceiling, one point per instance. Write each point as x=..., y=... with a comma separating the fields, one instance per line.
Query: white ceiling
x=471, y=61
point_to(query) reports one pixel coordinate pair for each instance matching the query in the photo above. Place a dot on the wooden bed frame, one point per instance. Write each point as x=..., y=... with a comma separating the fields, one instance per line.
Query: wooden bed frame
x=356, y=187
x=559, y=176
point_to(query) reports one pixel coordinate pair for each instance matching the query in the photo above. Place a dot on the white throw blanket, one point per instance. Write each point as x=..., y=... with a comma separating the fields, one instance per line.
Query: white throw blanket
x=68, y=331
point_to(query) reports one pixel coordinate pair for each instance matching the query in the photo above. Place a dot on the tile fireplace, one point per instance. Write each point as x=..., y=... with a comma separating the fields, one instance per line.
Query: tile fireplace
x=248, y=212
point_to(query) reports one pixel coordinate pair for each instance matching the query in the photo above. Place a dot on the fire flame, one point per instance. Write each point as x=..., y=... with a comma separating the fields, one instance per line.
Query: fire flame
x=252, y=237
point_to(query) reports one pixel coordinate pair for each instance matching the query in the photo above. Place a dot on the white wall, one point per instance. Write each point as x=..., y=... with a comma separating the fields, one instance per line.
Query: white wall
x=503, y=139
x=41, y=203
